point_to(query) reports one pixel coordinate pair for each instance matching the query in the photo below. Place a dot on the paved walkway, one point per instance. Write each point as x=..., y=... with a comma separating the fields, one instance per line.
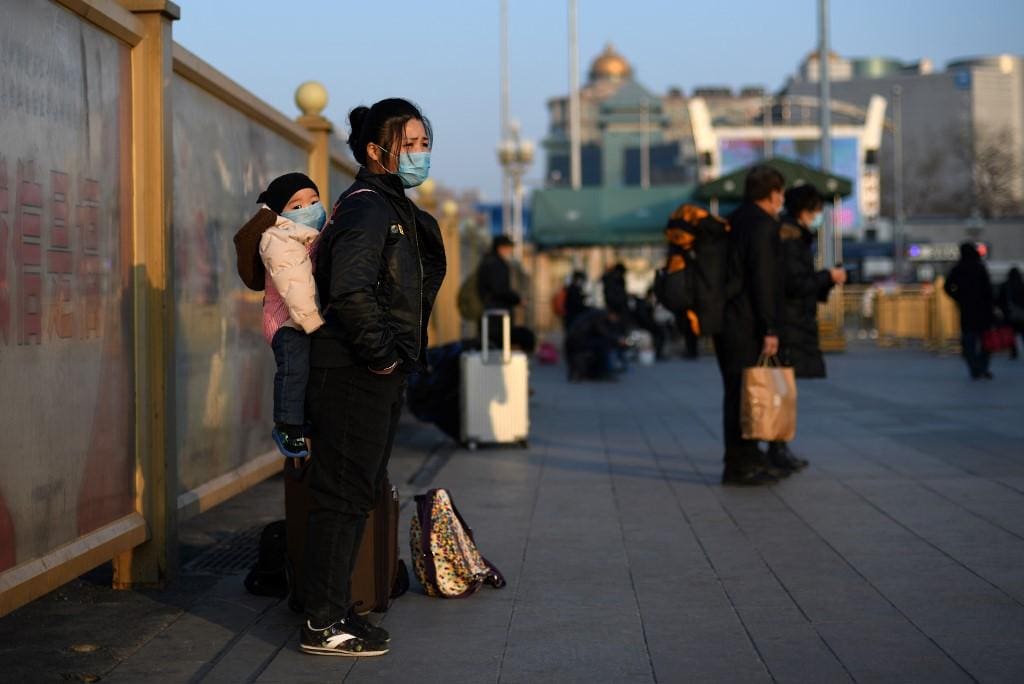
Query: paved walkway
x=898, y=556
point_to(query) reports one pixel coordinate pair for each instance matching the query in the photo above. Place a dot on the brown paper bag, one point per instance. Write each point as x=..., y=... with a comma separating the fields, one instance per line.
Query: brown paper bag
x=768, y=402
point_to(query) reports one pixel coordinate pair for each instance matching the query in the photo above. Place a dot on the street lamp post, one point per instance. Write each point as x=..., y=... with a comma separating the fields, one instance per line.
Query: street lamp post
x=515, y=156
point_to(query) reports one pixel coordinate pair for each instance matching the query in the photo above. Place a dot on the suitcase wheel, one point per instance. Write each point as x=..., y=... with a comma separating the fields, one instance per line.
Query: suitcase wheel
x=471, y=445
x=524, y=444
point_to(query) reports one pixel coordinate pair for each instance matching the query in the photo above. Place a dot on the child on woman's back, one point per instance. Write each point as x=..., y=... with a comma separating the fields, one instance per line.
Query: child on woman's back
x=290, y=307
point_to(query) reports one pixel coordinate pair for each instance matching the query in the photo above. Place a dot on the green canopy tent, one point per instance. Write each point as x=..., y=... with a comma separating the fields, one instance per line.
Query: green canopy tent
x=729, y=188
x=562, y=217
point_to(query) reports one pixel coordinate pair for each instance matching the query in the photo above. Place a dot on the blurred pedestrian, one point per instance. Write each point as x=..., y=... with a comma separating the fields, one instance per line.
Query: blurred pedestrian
x=802, y=288
x=494, y=279
x=591, y=343
x=969, y=286
x=1011, y=303
x=379, y=263
x=575, y=298
x=615, y=297
x=750, y=325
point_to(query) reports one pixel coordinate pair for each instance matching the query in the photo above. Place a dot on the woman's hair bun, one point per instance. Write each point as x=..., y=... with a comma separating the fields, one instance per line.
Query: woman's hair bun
x=356, y=118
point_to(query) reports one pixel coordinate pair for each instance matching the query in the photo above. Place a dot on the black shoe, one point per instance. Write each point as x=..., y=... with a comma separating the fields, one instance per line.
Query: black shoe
x=987, y=376
x=290, y=441
x=364, y=629
x=751, y=476
x=338, y=640
x=783, y=458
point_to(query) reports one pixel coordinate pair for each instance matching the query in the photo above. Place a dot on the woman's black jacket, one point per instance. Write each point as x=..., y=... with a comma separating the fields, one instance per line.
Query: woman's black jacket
x=802, y=289
x=379, y=264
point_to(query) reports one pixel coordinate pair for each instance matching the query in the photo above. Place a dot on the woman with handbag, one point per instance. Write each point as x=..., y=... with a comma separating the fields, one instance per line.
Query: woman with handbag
x=802, y=288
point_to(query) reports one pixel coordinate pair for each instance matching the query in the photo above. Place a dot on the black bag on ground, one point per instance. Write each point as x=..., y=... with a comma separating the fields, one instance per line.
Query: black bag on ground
x=269, y=577
x=433, y=394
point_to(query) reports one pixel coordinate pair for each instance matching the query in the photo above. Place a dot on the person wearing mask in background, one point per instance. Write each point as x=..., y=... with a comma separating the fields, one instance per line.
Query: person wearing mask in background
x=1011, y=303
x=575, y=298
x=969, y=286
x=379, y=264
x=749, y=325
x=802, y=288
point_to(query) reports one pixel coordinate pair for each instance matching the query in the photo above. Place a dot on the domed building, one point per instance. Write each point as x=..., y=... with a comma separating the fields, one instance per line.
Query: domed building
x=621, y=122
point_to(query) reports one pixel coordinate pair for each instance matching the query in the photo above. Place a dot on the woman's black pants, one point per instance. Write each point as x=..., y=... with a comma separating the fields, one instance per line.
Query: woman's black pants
x=354, y=414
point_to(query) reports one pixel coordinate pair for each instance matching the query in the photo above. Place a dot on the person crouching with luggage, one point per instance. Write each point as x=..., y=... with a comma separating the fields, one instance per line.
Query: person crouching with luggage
x=379, y=265
x=290, y=307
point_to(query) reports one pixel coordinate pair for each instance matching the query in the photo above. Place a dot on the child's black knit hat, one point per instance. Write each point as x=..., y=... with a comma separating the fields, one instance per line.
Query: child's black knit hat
x=282, y=188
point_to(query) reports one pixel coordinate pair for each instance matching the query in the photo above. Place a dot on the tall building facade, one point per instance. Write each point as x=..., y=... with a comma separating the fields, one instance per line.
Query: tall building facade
x=960, y=131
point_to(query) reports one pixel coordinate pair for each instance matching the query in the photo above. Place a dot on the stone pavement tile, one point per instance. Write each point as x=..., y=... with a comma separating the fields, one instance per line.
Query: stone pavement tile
x=992, y=552
x=991, y=501
x=252, y=652
x=795, y=652
x=889, y=651
x=575, y=643
x=965, y=456
x=185, y=649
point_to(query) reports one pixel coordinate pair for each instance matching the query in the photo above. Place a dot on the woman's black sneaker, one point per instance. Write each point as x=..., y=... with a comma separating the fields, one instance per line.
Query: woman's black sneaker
x=364, y=629
x=338, y=640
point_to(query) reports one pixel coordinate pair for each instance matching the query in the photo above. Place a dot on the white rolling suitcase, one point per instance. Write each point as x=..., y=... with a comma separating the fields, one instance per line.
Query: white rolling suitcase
x=495, y=390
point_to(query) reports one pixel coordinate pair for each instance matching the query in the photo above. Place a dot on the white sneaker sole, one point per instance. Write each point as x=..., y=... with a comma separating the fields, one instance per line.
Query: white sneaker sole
x=319, y=650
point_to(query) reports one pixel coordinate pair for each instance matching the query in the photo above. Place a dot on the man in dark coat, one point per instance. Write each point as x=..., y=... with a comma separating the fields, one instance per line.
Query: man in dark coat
x=1011, y=302
x=494, y=279
x=969, y=285
x=575, y=298
x=750, y=325
x=802, y=288
x=615, y=297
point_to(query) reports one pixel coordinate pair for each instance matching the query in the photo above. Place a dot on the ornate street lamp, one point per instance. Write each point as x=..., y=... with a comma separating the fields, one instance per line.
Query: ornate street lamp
x=515, y=156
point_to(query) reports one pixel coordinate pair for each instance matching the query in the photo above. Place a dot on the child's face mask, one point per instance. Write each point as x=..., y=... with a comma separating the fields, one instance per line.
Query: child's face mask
x=314, y=216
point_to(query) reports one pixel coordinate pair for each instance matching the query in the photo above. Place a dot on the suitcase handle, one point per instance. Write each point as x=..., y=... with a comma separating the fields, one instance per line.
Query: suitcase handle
x=506, y=335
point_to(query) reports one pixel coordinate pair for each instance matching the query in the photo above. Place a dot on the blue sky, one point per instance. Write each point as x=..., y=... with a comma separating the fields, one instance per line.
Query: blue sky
x=443, y=54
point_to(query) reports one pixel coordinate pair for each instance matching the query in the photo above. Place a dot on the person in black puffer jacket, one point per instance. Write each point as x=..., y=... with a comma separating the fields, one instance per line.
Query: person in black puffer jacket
x=379, y=263
x=802, y=288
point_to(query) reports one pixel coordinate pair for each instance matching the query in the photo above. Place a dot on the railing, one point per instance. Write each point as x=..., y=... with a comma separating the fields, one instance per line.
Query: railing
x=903, y=315
x=135, y=378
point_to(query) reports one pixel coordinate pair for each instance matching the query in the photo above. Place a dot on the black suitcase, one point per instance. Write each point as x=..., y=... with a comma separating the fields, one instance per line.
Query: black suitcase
x=379, y=574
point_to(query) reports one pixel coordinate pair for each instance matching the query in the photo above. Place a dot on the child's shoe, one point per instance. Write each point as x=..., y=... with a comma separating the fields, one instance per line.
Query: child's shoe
x=290, y=441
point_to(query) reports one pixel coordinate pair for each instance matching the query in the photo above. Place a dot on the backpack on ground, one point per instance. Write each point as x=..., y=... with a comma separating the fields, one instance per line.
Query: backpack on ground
x=693, y=281
x=471, y=307
x=444, y=553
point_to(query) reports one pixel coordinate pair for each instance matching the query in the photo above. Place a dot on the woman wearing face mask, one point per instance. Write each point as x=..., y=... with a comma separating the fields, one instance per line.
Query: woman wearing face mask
x=379, y=264
x=802, y=289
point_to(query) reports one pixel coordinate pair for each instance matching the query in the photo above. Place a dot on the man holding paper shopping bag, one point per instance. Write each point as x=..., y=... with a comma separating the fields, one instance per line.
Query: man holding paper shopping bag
x=749, y=329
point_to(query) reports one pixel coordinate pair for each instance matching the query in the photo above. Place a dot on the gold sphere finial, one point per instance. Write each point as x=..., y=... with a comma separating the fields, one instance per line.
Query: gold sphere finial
x=426, y=188
x=450, y=208
x=311, y=98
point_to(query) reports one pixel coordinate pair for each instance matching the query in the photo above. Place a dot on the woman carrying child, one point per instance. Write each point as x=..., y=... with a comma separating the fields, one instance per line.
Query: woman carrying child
x=378, y=266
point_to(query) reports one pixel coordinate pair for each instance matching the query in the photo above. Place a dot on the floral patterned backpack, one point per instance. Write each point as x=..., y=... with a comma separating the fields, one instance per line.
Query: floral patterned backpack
x=444, y=555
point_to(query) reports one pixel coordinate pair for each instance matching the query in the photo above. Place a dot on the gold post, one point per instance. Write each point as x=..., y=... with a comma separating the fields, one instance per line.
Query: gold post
x=446, y=307
x=156, y=472
x=311, y=98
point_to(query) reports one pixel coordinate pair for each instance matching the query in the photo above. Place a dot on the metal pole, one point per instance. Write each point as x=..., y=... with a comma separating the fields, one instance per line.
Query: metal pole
x=897, y=135
x=575, y=164
x=505, y=108
x=825, y=113
x=517, y=214
x=645, y=145
x=766, y=124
